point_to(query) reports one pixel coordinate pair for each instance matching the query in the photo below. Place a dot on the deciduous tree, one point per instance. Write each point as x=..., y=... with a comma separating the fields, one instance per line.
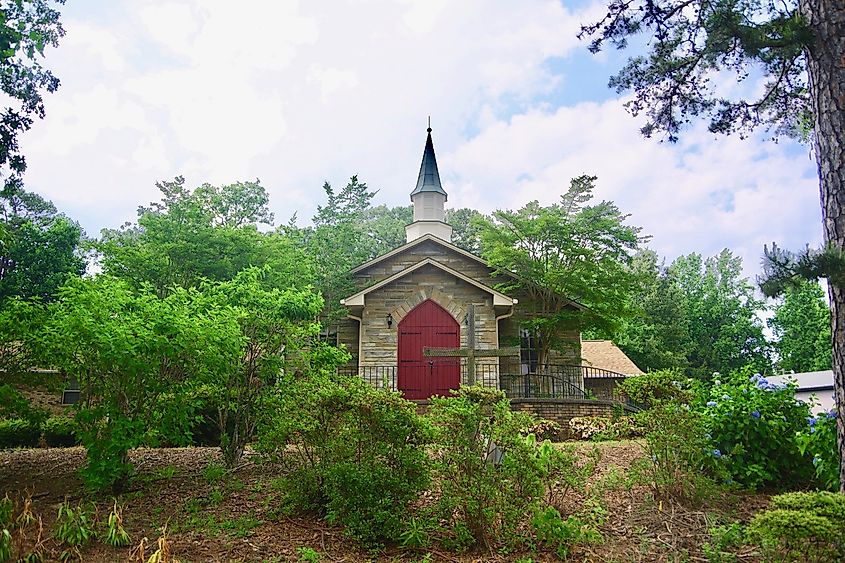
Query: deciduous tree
x=562, y=253
x=39, y=249
x=208, y=233
x=657, y=335
x=726, y=332
x=801, y=326
x=27, y=27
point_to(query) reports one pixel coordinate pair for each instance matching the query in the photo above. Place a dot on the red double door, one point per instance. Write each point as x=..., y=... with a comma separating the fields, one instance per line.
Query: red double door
x=427, y=325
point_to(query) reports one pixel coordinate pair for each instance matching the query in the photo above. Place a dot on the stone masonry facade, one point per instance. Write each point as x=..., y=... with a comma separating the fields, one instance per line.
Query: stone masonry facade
x=496, y=326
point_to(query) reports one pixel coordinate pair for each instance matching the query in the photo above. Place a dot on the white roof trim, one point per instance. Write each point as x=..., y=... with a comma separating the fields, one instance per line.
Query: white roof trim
x=414, y=242
x=357, y=300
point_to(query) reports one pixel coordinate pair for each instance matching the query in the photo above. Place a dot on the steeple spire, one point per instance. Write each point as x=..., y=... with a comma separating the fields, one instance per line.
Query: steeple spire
x=429, y=178
x=429, y=199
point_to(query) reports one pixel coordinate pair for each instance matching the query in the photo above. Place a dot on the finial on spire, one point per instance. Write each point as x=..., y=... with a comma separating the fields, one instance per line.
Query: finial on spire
x=429, y=124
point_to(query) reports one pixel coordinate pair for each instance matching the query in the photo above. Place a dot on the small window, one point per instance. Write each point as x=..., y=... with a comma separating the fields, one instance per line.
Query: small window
x=528, y=351
x=71, y=393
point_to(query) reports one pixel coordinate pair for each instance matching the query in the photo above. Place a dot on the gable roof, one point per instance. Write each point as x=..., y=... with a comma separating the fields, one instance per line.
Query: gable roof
x=409, y=245
x=605, y=354
x=499, y=298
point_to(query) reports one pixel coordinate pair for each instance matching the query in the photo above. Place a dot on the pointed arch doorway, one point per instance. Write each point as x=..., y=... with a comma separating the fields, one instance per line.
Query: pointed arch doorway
x=427, y=325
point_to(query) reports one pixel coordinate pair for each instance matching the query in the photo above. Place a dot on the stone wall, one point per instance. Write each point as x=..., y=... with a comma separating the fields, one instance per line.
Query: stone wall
x=379, y=342
x=561, y=411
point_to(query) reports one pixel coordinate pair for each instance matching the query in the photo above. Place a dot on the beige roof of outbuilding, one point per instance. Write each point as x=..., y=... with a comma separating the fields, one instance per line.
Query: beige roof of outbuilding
x=605, y=355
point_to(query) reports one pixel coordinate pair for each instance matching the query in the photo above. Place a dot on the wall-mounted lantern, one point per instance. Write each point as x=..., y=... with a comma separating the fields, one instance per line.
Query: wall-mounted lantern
x=389, y=320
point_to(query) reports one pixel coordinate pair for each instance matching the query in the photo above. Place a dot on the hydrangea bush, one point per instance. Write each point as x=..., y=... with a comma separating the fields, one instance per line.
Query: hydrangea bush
x=819, y=441
x=755, y=426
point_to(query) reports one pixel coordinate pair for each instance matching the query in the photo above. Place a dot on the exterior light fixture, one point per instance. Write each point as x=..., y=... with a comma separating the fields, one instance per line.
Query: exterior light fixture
x=389, y=320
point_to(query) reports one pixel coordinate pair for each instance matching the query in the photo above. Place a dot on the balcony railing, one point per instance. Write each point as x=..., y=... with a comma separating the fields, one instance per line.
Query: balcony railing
x=518, y=381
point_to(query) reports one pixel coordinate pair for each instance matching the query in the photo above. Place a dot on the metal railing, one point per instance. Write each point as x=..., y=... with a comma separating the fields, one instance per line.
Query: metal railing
x=517, y=380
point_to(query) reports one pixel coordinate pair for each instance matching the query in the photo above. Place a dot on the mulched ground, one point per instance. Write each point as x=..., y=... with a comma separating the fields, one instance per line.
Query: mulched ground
x=233, y=518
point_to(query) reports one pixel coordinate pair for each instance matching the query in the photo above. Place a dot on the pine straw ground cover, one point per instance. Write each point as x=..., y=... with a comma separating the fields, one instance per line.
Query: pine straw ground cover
x=214, y=515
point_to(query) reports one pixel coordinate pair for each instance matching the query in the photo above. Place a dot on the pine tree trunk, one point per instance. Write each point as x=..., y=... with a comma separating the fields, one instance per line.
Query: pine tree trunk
x=826, y=70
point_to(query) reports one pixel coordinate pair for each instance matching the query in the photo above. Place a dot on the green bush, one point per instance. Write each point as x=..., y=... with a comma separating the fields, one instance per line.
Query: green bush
x=801, y=527
x=60, y=432
x=681, y=462
x=490, y=474
x=561, y=534
x=755, y=427
x=18, y=433
x=819, y=441
x=358, y=455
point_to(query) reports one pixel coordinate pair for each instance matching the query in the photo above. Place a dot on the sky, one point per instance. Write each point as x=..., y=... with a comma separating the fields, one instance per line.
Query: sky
x=298, y=93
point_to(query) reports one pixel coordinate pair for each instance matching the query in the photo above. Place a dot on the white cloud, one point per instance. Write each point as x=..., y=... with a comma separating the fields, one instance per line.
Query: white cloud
x=702, y=195
x=298, y=92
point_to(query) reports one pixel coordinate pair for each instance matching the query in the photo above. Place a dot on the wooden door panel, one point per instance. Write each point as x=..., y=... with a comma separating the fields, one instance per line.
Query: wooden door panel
x=427, y=325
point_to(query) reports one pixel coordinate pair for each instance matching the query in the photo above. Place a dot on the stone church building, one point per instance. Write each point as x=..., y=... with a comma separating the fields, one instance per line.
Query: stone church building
x=427, y=294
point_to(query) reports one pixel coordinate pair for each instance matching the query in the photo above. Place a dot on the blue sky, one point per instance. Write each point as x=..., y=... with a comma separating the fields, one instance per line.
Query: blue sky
x=296, y=93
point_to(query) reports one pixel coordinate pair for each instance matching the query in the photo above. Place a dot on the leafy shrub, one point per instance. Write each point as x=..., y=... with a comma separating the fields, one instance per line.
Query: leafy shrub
x=358, y=457
x=116, y=535
x=657, y=388
x=13, y=405
x=107, y=445
x=490, y=476
x=819, y=441
x=74, y=528
x=681, y=461
x=724, y=539
x=562, y=534
x=19, y=433
x=802, y=527
x=755, y=425
x=60, y=432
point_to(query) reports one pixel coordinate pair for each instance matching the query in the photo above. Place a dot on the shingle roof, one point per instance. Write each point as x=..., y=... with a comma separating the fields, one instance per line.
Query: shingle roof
x=429, y=178
x=605, y=355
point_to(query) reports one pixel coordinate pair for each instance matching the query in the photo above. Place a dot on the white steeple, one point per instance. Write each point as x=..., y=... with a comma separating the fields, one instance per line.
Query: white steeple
x=429, y=199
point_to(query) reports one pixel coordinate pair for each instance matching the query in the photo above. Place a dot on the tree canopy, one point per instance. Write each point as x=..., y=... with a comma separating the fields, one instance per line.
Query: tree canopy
x=564, y=256
x=39, y=248
x=27, y=27
x=801, y=326
x=208, y=233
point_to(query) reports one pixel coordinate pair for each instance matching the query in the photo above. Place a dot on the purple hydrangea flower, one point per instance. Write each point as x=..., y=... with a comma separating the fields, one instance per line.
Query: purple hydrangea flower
x=726, y=397
x=755, y=414
x=711, y=403
x=811, y=420
x=831, y=413
x=717, y=453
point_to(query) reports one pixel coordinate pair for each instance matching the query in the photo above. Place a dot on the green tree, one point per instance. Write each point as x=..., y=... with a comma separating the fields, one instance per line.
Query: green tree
x=796, y=45
x=657, y=336
x=26, y=28
x=385, y=226
x=339, y=240
x=127, y=350
x=466, y=228
x=722, y=311
x=564, y=253
x=208, y=233
x=40, y=249
x=277, y=331
x=801, y=326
